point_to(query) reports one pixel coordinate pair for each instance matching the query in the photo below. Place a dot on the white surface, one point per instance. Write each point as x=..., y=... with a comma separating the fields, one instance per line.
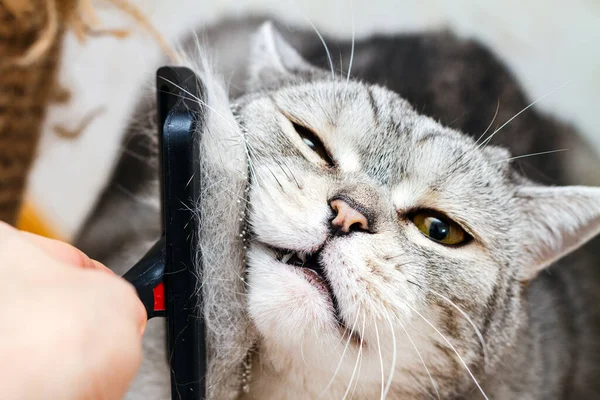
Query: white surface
x=546, y=43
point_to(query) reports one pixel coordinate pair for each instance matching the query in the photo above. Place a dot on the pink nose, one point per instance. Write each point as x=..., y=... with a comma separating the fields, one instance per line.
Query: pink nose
x=348, y=219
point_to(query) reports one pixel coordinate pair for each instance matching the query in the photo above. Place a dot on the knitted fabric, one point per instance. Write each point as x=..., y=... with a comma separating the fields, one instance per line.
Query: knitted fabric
x=26, y=86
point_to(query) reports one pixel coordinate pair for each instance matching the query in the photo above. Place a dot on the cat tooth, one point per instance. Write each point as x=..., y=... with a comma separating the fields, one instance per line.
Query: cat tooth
x=286, y=258
x=301, y=256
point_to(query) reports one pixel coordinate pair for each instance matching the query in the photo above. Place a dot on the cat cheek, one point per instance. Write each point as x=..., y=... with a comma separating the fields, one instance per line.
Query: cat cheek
x=285, y=308
x=281, y=224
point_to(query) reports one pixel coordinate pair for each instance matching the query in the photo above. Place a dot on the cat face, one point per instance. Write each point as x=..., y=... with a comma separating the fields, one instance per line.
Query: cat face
x=382, y=244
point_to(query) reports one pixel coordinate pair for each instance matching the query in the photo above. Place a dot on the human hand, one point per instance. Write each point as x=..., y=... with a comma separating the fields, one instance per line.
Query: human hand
x=69, y=328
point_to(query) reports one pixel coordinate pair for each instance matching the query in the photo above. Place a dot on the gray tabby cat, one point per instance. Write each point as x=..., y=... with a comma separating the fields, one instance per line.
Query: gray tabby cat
x=357, y=248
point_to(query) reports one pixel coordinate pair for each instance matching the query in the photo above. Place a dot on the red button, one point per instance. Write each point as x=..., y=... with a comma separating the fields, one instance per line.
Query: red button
x=159, y=297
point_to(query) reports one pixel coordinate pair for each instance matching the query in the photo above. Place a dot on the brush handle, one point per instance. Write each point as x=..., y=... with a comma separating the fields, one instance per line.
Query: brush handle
x=167, y=277
x=180, y=106
x=147, y=278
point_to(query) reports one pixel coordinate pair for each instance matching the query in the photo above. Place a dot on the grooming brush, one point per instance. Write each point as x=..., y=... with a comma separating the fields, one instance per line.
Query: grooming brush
x=166, y=278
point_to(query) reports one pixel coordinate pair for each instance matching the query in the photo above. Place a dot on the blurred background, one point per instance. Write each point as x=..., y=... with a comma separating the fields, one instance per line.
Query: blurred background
x=553, y=47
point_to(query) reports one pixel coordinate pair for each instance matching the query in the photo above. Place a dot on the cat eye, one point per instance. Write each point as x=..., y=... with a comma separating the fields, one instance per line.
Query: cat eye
x=313, y=142
x=439, y=228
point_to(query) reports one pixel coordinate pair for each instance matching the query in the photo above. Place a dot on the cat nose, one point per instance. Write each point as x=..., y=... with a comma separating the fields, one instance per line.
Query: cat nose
x=348, y=219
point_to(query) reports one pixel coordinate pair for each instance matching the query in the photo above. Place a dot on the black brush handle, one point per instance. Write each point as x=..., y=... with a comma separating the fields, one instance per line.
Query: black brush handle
x=147, y=278
x=180, y=121
x=166, y=278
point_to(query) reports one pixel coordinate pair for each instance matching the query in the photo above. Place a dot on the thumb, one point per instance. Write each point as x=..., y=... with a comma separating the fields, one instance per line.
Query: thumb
x=63, y=252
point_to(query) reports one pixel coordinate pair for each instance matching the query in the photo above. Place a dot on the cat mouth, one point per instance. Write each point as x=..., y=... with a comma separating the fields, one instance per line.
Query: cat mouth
x=315, y=274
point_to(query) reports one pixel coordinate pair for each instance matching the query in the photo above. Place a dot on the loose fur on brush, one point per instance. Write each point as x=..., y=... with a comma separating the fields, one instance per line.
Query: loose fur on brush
x=393, y=313
x=224, y=169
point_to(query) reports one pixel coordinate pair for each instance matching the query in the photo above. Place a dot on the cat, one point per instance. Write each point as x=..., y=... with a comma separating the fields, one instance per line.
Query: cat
x=362, y=238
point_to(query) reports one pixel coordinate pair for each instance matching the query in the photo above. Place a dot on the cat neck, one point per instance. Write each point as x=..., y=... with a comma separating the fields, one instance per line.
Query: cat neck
x=277, y=375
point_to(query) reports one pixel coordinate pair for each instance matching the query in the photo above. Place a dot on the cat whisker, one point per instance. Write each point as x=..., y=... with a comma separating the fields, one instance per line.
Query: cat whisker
x=530, y=155
x=205, y=104
x=302, y=354
x=464, y=314
x=180, y=95
x=290, y=171
x=252, y=170
x=252, y=154
x=325, y=46
x=380, y=358
x=337, y=370
x=343, y=336
x=486, y=141
x=255, y=173
x=283, y=162
x=420, y=358
x=394, y=355
x=456, y=164
x=237, y=127
x=362, y=335
x=254, y=176
x=351, y=48
x=453, y=349
x=275, y=177
x=358, y=358
x=491, y=123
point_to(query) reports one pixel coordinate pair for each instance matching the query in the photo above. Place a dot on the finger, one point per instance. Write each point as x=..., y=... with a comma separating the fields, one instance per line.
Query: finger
x=122, y=293
x=118, y=352
x=63, y=252
x=101, y=267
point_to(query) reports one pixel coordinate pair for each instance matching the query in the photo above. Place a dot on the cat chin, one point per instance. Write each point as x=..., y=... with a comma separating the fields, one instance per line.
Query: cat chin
x=298, y=326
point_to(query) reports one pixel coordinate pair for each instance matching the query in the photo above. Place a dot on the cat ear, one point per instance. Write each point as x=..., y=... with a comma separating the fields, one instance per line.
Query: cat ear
x=554, y=222
x=273, y=59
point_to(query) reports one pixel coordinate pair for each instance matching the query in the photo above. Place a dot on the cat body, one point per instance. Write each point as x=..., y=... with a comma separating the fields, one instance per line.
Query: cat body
x=331, y=187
